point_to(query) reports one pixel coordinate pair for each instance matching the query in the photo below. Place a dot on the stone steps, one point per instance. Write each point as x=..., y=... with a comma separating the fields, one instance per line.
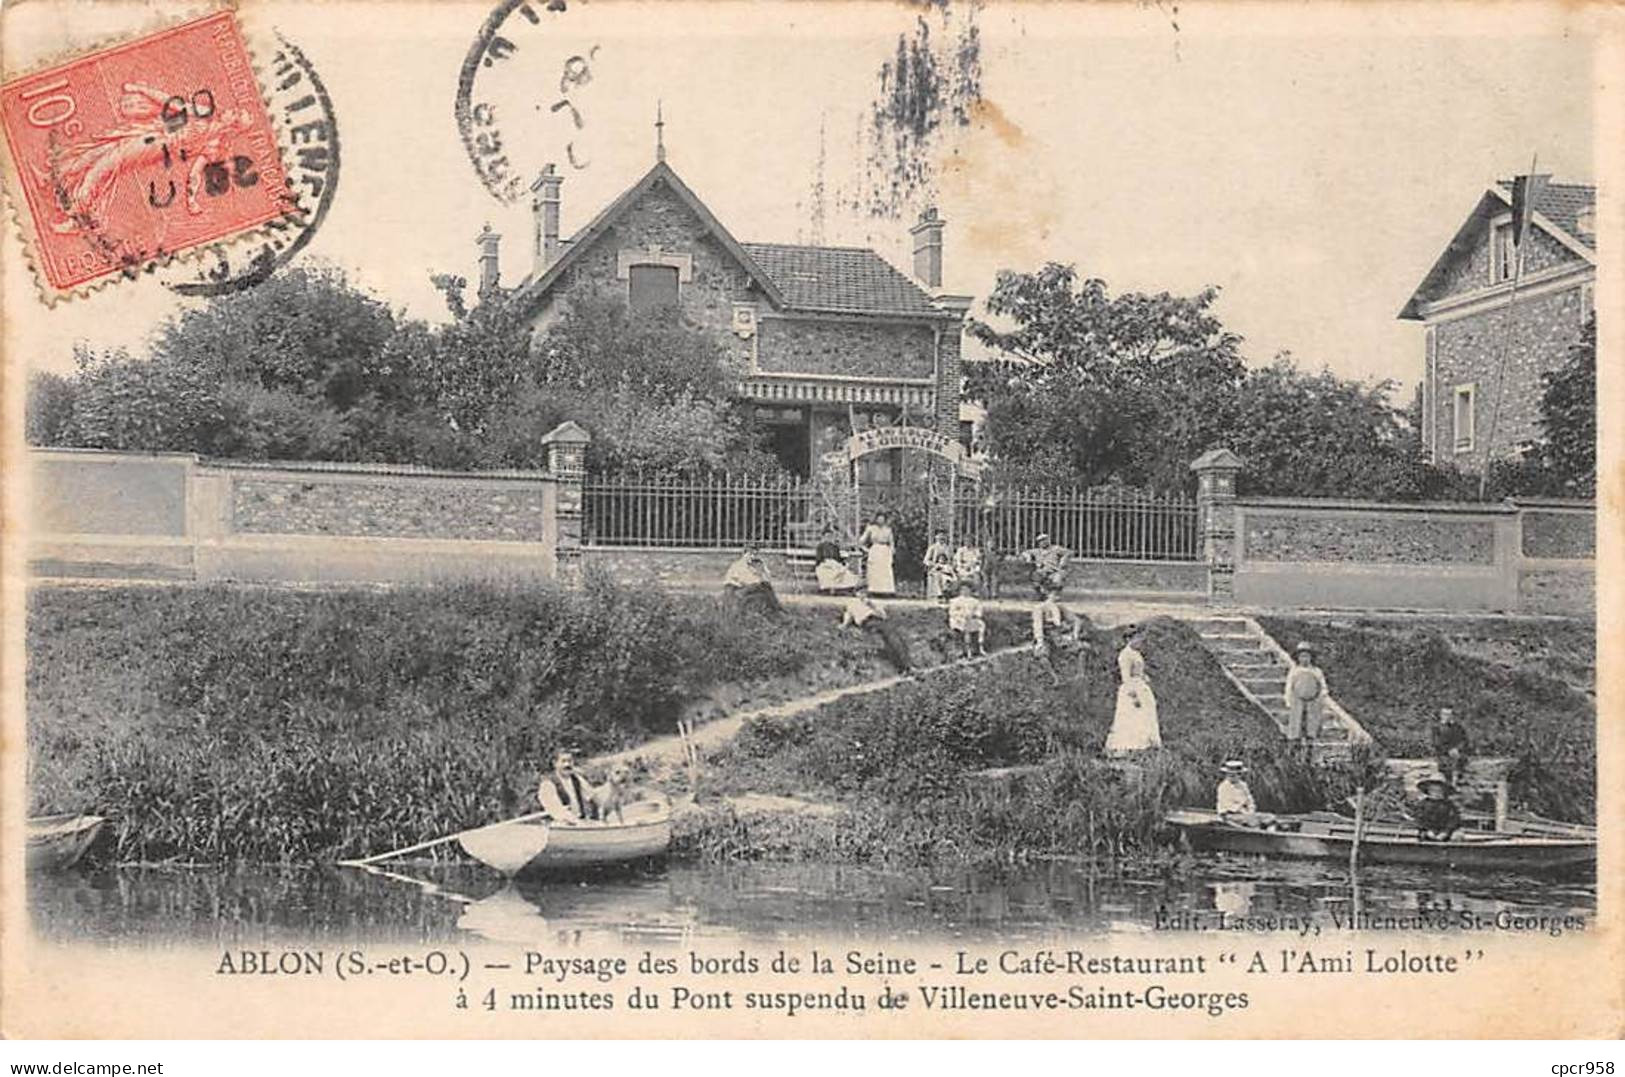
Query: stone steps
x=1259, y=668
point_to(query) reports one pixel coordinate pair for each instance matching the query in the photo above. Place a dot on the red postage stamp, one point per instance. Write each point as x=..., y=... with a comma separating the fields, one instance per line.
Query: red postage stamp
x=129, y=155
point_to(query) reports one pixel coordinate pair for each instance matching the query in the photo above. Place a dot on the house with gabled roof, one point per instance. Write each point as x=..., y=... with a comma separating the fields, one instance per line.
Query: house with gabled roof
x=828, y=341
x=1488, y=338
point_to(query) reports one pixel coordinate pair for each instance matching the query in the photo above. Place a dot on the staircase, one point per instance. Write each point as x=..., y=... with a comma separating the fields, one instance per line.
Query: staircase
x=1257, y=666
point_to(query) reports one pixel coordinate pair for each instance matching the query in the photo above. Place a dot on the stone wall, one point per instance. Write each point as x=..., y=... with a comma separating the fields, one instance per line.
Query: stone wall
x=465, y=507
x=1559, y=534
x=845, y=348
x=1393, y=537
x=87, y=492
x=1467, y=351
x=1471, y=271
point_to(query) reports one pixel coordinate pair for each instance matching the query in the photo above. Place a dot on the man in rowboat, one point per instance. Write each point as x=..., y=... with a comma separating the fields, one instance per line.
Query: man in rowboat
x=564, y=794
x=1234, y=799
x=1437, y=817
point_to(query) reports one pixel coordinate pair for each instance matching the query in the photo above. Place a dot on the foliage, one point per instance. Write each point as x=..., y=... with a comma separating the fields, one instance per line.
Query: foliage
x=135, y=405
x=1394, y=679
x=214, y=722
x=49, y=410
x=305, y=331
x=1563, y=461
x=1129, y=389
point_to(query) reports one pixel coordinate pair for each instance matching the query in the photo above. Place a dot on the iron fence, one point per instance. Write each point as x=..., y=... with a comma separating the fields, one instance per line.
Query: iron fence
x=1112, y=525
x=713, y=512
x=728, y=511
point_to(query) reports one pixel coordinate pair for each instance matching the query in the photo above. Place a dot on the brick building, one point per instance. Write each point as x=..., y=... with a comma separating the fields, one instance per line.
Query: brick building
x=827, y=340
x=1464, y=304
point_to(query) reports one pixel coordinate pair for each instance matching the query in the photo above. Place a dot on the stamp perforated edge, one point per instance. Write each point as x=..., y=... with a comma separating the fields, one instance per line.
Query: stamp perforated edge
x=15, y=203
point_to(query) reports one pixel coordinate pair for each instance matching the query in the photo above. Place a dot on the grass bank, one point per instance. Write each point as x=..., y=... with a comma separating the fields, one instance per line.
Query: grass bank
x=1519, y=687
x=212, y=723
x=905, y=764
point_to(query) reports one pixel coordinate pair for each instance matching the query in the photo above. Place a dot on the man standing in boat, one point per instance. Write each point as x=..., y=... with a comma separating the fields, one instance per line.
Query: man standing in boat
x=565, y=794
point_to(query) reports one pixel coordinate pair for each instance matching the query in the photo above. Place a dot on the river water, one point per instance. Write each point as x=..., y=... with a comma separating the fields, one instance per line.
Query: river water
x=682, y=903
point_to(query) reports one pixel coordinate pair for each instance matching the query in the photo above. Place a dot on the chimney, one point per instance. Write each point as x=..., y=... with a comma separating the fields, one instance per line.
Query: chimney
x=490, y=267
x=544, y=207
x=928, y=248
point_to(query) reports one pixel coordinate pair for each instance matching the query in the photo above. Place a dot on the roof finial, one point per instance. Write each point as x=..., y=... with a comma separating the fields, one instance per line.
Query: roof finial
x=660, y=133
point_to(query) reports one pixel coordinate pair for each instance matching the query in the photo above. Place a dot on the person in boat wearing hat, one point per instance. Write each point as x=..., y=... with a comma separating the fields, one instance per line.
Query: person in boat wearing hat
x=1134, y=725
x=1305, y=695
x=567, y=796
x=747, y=580
x=1436, y=815
x=1049, y=564
x=1057, y=632
x=1450, y=746
x=1233, y=796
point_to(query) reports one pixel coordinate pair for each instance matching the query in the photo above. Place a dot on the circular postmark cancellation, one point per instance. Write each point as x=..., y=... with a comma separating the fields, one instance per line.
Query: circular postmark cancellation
x=128, y=156
x=303, y=113
x=503, y=81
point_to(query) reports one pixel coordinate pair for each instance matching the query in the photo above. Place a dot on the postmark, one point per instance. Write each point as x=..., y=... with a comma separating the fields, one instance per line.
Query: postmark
x=303, y=112
x=127, y=156
x=516, y=77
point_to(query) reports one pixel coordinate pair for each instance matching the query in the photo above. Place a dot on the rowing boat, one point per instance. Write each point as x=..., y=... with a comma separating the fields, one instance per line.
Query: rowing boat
x=1324, y=836
x=56, y=842
x=533, y=845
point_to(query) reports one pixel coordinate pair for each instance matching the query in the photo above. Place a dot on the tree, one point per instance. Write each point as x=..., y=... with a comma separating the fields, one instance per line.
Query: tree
x=307, y=331
x=1568, y=418
x=141, y=406
x=1127, y=388
x=48, y=414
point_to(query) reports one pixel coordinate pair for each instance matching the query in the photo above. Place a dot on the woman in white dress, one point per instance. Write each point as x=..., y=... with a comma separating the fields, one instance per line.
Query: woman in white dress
x=877, y=563
x=1134, y=726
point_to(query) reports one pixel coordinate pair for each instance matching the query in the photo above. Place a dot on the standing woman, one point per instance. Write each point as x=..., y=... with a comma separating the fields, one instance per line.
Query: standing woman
x=877, y=563
x=1134, y=726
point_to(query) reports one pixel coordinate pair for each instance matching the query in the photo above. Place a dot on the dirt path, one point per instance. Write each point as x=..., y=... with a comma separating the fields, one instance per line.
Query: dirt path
x=664, y=754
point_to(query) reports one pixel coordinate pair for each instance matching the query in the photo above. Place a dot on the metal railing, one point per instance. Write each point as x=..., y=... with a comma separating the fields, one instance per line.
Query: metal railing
x=1112, y=525
x=726, y=511
x=714, y=512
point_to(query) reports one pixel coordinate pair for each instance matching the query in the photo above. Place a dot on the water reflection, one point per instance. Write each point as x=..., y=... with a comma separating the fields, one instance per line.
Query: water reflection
x=427, y=903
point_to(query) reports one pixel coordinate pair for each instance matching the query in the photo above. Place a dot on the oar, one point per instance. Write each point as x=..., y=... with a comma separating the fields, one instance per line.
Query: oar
x=422, y=845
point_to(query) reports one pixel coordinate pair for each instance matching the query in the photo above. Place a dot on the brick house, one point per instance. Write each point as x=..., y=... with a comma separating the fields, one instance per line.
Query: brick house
x=1464, y=301
x=827, y=340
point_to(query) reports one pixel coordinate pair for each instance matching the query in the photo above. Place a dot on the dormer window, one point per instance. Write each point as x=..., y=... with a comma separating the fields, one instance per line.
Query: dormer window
x=651, y=287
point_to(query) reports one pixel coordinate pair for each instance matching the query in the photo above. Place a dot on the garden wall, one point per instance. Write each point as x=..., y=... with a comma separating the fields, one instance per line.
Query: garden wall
x=117, y=514
x=1528, y=556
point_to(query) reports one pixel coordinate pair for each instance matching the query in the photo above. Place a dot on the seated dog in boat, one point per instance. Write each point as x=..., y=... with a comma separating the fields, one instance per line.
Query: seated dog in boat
x=615, y=794
x=565, y=794
x=1436, y=815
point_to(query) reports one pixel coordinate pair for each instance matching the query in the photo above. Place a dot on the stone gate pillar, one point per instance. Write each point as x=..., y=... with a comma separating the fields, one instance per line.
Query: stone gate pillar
x=1216, y=520
x=567, y=463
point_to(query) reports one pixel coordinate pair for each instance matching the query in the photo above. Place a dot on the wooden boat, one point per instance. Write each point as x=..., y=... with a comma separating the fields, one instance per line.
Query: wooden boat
x=1325, y=836
x=56, y=842
x=532, y=845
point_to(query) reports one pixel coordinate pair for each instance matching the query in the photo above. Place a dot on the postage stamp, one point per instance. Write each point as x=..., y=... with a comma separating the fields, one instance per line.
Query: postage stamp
x=129, y=155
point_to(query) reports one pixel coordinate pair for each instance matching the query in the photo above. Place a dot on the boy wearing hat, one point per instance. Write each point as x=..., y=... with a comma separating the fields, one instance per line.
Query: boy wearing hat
x=1305, y=695
x=965, y=618
x=1437, y=817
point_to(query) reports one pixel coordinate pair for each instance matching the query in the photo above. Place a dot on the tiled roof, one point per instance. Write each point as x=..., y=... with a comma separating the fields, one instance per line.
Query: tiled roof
x=1562, y=204
x=838, y=279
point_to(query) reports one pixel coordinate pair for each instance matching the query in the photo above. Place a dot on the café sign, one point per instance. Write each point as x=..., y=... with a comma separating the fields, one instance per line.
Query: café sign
x=879, y=439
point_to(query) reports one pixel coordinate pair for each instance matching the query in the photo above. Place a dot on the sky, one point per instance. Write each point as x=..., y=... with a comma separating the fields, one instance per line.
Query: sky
x=1311, y=161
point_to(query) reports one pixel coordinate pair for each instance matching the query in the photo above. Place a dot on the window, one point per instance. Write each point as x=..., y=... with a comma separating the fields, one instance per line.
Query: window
x=1462, y=417
x=1503, y=255
x=651, y=287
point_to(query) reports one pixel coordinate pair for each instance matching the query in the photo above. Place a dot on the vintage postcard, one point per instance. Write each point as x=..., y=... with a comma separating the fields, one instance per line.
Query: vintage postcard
x=586, y=518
